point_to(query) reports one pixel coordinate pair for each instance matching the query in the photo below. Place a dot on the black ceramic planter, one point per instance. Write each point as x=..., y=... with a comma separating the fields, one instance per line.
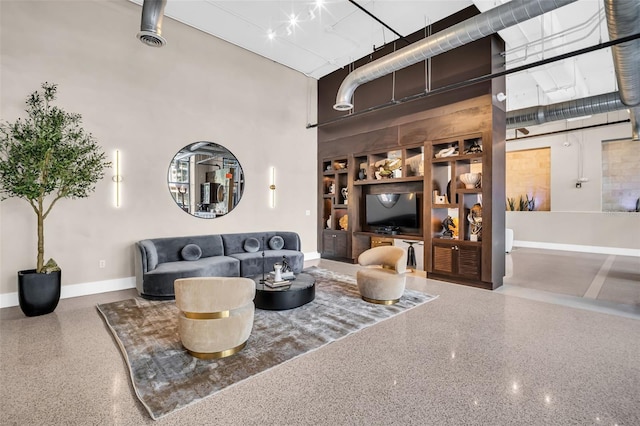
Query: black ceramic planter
x=38, y=294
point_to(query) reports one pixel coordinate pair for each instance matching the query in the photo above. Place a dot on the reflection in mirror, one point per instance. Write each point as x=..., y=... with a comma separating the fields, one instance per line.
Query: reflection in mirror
x=206, y=180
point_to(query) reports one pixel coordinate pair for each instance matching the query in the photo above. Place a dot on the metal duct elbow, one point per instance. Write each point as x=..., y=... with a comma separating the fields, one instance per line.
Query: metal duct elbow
x=623, y=19
x=151, y=24
x=487, y=23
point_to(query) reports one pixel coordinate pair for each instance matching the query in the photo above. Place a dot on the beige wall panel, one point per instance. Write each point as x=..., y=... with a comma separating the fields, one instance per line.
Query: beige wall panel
x=528, y=173
x=620, y=175
x=148, y=103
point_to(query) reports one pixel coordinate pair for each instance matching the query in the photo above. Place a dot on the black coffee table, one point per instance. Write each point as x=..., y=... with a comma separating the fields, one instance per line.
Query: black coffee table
x=300, y=291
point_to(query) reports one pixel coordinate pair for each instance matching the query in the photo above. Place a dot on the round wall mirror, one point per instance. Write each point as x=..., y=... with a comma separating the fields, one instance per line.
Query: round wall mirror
x=205, y=180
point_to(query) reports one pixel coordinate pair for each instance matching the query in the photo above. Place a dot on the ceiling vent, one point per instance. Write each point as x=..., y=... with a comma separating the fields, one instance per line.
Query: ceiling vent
x=151, y=24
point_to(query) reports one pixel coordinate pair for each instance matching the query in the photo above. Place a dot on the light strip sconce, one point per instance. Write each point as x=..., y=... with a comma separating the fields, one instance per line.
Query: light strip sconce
x=117, y=178
x=272, y=188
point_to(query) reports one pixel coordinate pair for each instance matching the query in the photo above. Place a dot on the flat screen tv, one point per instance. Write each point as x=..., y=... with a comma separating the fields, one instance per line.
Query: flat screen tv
x=393, y=210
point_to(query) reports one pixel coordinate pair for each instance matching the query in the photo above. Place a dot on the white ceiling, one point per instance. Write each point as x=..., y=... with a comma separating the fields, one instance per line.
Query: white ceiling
x=334, y=34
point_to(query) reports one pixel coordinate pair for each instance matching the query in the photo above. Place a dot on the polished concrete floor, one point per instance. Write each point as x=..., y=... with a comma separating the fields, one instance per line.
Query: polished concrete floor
x=471, y=357
x=600, y=282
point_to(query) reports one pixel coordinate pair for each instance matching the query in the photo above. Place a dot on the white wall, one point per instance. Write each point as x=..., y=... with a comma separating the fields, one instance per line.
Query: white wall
x=149, y=103
x=576, y=220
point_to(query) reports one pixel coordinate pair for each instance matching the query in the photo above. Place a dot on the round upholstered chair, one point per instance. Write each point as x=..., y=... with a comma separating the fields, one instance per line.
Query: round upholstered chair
x=216, y=314
x=383, y=280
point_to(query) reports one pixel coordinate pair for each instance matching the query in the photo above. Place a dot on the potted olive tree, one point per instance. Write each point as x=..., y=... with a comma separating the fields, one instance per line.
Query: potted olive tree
x=45, y=157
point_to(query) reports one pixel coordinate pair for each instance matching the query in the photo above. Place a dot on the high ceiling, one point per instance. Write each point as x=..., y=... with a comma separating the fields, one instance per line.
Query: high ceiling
x=316, y=38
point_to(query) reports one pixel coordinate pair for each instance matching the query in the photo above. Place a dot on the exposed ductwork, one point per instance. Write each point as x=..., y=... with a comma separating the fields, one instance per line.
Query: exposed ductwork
x=623, y=19
x=151, y=23
x=487, y=23
x=537, y=115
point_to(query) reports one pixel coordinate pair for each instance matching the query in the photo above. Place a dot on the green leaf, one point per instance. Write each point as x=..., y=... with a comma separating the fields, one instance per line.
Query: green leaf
x=48, y=153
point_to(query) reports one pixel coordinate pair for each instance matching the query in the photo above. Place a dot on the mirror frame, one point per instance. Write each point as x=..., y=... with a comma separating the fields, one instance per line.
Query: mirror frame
x=205, y=180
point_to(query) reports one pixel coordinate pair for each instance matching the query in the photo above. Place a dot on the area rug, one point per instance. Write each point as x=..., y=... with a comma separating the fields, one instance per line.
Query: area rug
x=166, y=378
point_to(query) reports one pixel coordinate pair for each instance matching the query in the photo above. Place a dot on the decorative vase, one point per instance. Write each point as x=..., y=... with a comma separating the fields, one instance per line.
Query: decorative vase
x=278, y=272
x=38, y=294
x=470, y=180
x=361, y=174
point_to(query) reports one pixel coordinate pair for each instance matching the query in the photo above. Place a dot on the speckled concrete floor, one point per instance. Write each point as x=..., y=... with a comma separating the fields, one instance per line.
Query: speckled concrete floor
x=471, y=357
x=601, y=282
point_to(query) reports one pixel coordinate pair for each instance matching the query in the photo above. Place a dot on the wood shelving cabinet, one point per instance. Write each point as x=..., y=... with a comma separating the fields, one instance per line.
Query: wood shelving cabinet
x=455, y=258
x=336, y=235
x=458, y=256
x=432, y=170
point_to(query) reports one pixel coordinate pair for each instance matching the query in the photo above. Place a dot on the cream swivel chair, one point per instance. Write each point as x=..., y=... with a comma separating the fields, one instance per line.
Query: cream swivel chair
x=216, y=314
x=383, y=280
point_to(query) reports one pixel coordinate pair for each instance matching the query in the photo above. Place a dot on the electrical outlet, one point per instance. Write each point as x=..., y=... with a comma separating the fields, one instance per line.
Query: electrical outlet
x=307, y=212
x=102, y=264
x=578, y=184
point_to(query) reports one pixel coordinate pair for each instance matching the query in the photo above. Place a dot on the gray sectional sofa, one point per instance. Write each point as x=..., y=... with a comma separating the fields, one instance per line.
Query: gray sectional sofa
x=160, y=261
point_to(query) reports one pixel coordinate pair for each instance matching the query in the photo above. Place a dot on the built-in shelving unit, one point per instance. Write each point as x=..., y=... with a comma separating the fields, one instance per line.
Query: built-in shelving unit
x=459, y=257
x=432, y=170
x=336, y=235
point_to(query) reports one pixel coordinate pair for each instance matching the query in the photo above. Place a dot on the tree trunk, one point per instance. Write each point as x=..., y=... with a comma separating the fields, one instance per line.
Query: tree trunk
x=40, y=262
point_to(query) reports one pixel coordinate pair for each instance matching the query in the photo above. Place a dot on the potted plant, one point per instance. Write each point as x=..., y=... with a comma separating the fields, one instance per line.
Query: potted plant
x=44, y=158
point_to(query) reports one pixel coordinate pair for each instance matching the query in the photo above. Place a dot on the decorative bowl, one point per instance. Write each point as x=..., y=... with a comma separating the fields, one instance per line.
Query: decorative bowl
x=470, y=180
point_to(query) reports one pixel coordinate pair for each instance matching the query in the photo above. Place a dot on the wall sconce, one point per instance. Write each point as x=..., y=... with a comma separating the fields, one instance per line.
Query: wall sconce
x=117, y=178
x=272, y=188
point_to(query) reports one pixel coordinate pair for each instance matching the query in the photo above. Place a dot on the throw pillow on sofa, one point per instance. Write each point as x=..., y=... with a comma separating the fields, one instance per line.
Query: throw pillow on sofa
x=191, y=252
x=251, y=245
x=276, y=243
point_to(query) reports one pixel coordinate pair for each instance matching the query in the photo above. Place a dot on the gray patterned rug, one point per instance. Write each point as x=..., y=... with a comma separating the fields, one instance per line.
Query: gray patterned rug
x=166, y=378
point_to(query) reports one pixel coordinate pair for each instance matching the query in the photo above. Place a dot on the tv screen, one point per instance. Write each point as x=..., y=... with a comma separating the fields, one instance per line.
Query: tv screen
x=397, y=210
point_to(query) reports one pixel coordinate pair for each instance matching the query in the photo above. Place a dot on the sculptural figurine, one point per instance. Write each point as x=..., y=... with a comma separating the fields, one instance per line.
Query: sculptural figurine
x=345, y=194
x=447, y=224
x=386, y=167
x=285, y=265
x=474, y=148
x=475, y=222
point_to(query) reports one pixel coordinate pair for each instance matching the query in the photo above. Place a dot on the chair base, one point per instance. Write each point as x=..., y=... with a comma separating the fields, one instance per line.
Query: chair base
x=217, y=355
x=380, y=302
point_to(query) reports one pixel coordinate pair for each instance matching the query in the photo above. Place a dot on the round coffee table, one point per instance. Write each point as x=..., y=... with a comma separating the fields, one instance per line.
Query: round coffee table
x=301, y=290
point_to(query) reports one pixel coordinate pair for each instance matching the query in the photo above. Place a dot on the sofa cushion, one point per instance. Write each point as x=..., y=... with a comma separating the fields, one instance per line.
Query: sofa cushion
x=276, y=243
x=251, y=263
x=150, y=254
x=169, y=249
x=191, y=252
x=251, y=245
x=160, y=280
x=234, y=243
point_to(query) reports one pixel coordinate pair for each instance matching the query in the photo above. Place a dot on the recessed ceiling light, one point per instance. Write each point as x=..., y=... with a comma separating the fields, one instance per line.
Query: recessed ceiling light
x=293, y=19
x=271, y=35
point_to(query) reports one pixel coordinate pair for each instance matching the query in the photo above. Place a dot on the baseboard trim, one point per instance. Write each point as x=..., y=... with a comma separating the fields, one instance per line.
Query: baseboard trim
x=312, y=256
x=85, y=289
x=75, y=290
x=578, y=248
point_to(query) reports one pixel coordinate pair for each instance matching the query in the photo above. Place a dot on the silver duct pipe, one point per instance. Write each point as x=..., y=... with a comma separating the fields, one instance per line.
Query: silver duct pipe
x=487, y=23
x=623, y=19
x=537, y=115
x=151, y=23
